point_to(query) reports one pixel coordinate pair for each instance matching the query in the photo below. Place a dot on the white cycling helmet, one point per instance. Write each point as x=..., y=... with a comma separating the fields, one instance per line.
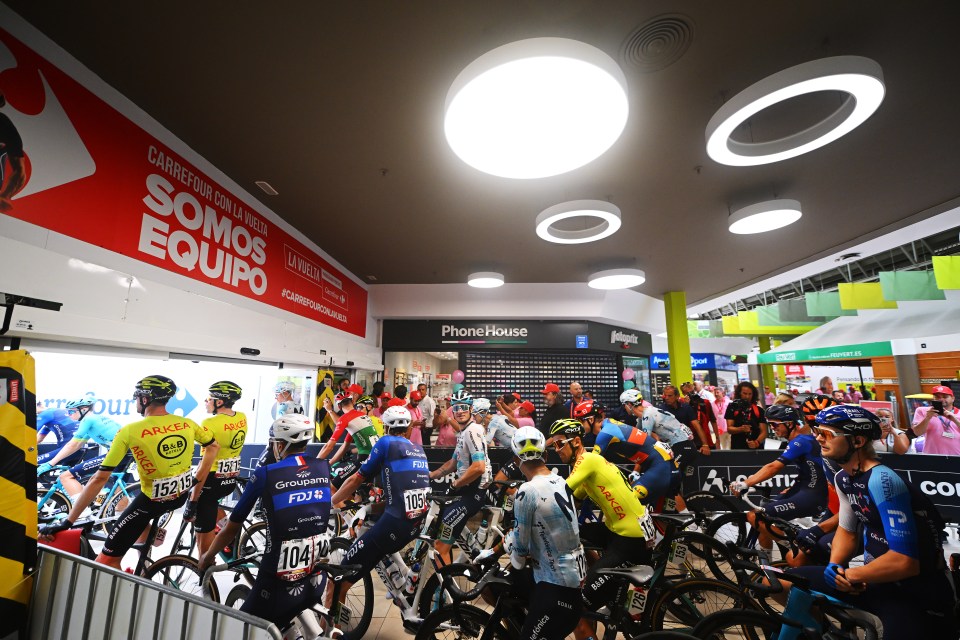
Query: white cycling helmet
x=293, y=428
x=632, y=396
x=284, y=387
x=528, y=443
x=396, y=418
x=481, y=406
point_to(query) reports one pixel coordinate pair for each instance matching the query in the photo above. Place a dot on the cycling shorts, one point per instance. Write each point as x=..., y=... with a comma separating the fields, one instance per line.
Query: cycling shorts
x=618, y=551
x=280, y=601
x=802, y=504
x=387, y=535
x=455, y=514
x=553, y=612
x=84, y=470
x=74, y=458
x=134, y=520
x=214, y=490
x=659, y=481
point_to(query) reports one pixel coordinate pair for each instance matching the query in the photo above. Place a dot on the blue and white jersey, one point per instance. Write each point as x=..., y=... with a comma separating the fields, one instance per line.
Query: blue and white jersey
x=59, y=423
x=471, y=447
x=405, y=475
x=804, y=452
x=100, y=429
x=546, y=530
x=666, y=427
x=895, y=516
x=501, y=430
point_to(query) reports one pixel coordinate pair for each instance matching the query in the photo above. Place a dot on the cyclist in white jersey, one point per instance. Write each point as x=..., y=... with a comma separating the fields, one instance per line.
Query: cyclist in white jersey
x=499, y=428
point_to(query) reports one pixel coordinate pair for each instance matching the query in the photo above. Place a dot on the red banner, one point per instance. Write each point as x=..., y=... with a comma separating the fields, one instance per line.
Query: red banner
x=71, y=163
x=795, y=370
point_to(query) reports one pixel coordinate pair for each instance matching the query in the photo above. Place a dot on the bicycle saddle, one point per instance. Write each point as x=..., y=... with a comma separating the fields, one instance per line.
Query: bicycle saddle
x=337, y=571
x=680, y=520
x=440, y=498
x=638, y=575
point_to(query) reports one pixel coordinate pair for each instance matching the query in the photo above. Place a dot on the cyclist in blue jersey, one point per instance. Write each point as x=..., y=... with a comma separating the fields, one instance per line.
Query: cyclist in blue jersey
x=63, y=423
x=903, y=578
x=807, y=496
x=656, y=474
x=405, y=476
x=295, y=493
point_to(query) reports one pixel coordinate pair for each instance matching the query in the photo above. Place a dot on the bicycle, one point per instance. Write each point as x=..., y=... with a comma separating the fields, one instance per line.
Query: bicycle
x=55, y=503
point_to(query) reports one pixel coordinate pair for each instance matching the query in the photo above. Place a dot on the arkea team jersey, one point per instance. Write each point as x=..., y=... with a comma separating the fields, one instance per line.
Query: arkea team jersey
x=295, y=493
x=100, y=429
x=622, y=442
x=804, y=452
x=664, y=426
x=501, y=430
x=405, y=476
x=601, y=481
x=547, y=531
x=360, y=428
x=162, y=447
x=471, y=447
x=231, y=433
x=57, y=422
x=894, y=514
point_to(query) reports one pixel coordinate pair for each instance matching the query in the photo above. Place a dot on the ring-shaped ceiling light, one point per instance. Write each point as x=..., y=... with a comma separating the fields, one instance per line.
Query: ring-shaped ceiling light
x=860, y=78
x=617, y=279
x=536, y=108
x=764, y=216
x=608, y=214
x=485, y=280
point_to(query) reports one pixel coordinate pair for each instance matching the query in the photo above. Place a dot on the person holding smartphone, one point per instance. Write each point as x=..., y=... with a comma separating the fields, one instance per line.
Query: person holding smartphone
x=892, y=440
x=940, y=423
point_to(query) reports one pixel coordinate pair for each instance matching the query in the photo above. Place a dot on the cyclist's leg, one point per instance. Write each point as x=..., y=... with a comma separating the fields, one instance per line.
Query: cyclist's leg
x=789, y=506
x=454, y=518
x=133, y=521
x=214, y=490
x=73, y=478
x=553, y=612
x=654, y=484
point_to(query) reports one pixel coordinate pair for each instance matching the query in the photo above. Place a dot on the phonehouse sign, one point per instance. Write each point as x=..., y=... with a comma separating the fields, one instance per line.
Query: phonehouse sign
x=90, y=173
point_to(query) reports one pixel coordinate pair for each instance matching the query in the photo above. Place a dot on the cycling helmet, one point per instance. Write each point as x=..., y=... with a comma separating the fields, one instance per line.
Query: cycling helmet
x=783, y=413
x=225, y=390
x=155, y=389
x=586, y=409
x=528, y=443
x=852, y=419
x=341, y=397
x=567, y=427
x=481, y=406
x=461, y=397
x=814, y=405
x=396, y=419
x=293, y=428
x=83, y=403
x=366, y=400
x=284, y=387
x=633, y=396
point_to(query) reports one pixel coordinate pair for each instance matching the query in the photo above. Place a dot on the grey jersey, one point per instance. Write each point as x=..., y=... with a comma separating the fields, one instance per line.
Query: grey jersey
x=472, y=446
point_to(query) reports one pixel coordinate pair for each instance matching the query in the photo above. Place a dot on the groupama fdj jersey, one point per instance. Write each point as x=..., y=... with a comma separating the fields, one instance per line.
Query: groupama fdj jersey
x=163, y=449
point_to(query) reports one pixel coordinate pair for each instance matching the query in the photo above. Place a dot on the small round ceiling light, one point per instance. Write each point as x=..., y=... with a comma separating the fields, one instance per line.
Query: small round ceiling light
x=536, y=108
x=764, y=216
x=485, y=280
x=606, y=213
x=617, y=279
x=860, y=78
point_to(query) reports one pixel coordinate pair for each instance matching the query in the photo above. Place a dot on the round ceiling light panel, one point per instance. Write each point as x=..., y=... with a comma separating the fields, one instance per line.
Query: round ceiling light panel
x=860, y=78
x=617, y=279
x=604, y=220
x=485, y=280
x=536, y=108
x=764, y=216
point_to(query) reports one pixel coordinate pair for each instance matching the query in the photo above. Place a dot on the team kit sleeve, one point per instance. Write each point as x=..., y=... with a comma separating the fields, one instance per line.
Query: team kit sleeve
x=523, y=504
x=201, y=435
x=578, y=476
x=796, y=449
x=475, y=445
x=251, y=493
x=118, y=449
x=374, y=462
x=890, y=494
x=847, y=518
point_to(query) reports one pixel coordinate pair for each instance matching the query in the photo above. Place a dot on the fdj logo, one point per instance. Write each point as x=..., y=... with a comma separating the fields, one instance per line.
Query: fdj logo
x=172, y=446
x=238, y=439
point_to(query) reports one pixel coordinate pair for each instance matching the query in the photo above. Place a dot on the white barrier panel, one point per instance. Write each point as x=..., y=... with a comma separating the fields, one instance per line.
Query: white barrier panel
x=77, y=598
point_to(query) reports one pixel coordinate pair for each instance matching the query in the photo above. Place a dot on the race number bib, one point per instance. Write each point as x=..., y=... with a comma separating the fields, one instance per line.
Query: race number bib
x=678, y=553
x=638, y=600
x=170, y=488
x=508, y=502
x=228, y=467
x=646, y=523
x=416, y=502
x=298, y=557
x=664, y=449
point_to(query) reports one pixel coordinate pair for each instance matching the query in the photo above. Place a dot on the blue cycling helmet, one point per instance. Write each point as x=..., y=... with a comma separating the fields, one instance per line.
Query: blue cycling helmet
x=852, y=419
x=783, y=413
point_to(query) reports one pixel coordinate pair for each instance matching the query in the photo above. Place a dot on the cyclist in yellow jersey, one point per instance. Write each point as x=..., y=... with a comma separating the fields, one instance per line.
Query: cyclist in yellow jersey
x=626, y=529
x=162, y=445
x=229, y=427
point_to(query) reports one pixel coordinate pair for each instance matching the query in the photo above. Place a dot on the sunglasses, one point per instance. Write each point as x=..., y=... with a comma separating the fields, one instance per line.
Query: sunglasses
x=481, y=412
x=828, y=434
x=560, y=444
x=460, y=408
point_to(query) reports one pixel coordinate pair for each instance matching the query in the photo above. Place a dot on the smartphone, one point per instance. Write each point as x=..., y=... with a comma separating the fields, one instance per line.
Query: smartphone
x=938, y=406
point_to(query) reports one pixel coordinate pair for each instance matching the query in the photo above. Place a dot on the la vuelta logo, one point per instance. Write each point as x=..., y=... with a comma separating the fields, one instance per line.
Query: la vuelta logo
x=209, y=240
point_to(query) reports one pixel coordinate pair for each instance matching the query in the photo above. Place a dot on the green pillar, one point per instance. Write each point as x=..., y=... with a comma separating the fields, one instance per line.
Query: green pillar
x=678, y=340
x=766, y=370
x=781, y=370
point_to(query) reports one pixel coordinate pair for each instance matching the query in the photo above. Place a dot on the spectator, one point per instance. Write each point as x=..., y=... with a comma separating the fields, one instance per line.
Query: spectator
x=706, y=419
x=428, y=407
x=826, y=386
x=416, y=415
x=400, y=391
x=719, y=405
x=384, y=399
x=508, y=405
x=446, y=435
x=892, y=440
x=555, y=409
x=840, y=396
x=685, y=414
x=685, y=390
x=588, y=394
x=528, y=414
x=744, y=419
x=576, y=397
x=355, y=391
x=702, y=391
x=855, y=396
x=865, y=394
x=939, y=423
x=377, y=388
x=768, y=397
x=785, y=398
x=343, y=385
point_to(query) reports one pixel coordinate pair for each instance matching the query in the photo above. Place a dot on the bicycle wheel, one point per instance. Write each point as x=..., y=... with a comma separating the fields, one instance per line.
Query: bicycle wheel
x=237, y=596
x=433, y=597
x=252, y=539
x=748, y=624
x=359, y=599
x=683, y=605
x=702, y=557
x=729, y=527
x=461, y=622
x=58, y=505
x=114, y=506
x=710, y=503
x=181, y=573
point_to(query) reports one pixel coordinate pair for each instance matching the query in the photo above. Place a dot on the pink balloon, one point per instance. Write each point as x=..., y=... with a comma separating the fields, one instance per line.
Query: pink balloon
x=629, y=373
x=457, y=376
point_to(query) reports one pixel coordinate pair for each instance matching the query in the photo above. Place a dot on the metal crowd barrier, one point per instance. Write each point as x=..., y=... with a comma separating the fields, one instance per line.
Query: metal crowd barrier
x=77, y=598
